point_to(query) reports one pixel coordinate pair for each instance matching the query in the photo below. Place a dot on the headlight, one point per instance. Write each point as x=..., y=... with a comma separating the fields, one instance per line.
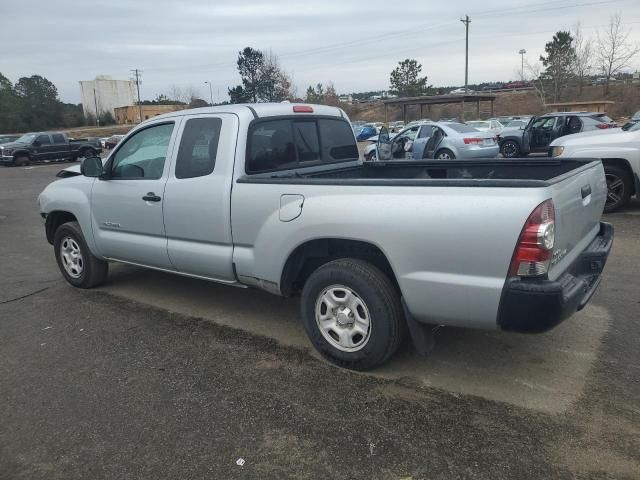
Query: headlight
x=556, y=151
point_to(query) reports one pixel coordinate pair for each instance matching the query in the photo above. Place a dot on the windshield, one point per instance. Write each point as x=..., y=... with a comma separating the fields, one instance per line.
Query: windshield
x=461, y=128
x=632, y=127
x=479, y=124
x=26, y=138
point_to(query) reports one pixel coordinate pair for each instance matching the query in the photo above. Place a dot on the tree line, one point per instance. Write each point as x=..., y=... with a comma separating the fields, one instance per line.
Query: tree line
x=32, y=103
x=570, y=57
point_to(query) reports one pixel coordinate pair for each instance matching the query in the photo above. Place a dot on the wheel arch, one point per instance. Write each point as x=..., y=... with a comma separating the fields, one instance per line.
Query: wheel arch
x=310, y=255
x=54, y=220
x=626, y=166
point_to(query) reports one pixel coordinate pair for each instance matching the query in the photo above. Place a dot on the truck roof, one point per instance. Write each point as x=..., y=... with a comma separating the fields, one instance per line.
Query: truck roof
x=258, y=110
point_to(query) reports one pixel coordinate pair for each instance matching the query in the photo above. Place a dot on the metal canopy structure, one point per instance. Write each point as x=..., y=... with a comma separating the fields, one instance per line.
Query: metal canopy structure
x=461, y=100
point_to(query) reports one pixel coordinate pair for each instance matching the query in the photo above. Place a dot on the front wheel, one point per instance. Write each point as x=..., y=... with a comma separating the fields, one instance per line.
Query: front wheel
x=77, y=264
x=445, y=154
x=372, y=157
x=619, y=185
x=352, y=314
x=22, y=161
x=510, y=149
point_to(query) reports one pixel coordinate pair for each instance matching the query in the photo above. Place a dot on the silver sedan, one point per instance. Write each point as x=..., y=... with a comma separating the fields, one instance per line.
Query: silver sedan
x=439, y=140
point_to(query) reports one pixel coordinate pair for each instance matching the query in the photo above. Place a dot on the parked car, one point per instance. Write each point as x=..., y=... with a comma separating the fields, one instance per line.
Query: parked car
x=35, y=147
x=112, y=141
x=538, y=134
x=434, y=140
x=396, y=126
x=8, y=138
x=367, y=132
x=516, y=124
x=620, y=153
x=492, y=126
x=492, y=244
x=461, y=91
x=632, y=121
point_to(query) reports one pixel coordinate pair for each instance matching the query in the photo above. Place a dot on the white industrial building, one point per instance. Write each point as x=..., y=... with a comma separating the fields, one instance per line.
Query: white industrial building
x=105, y=94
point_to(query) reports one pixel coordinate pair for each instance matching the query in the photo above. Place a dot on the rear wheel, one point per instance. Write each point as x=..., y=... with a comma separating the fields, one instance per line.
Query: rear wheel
x=77, y=264
x=352, y=313
x=510, y=149
x=22, y=161
x=619, y=185
x=445, y=154
x=372, y=157
x=87, y=152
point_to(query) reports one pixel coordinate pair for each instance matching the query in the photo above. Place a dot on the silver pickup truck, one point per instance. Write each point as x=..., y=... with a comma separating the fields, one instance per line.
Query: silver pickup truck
x=274, y=196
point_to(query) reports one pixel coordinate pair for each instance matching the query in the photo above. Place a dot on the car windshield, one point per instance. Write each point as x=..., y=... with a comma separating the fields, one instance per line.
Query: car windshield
x=602, y=118
x=479, y=124
x=461, y=128
x=26, y=138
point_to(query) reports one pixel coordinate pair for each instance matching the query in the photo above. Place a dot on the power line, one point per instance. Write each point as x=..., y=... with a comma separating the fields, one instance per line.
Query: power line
x=524, y=9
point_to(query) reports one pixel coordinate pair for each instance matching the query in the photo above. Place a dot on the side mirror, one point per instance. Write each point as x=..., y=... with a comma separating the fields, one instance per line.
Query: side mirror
x=522, y=127
x=91, y=167
x=36, y=143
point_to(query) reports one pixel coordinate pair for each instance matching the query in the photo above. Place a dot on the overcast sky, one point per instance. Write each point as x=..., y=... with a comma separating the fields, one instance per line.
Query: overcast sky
x=355, y=44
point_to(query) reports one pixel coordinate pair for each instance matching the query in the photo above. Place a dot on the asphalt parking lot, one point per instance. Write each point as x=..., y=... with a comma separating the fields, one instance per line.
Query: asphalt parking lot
x=158, y=376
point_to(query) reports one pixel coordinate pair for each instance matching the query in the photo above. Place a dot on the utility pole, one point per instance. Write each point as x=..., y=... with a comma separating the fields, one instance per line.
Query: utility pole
x=210, y=92
x=138, y=79
x=522, y=52
x=466, y=22
x=95, y=101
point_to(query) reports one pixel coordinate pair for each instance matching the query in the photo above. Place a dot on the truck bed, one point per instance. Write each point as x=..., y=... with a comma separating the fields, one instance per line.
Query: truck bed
x=483, y=173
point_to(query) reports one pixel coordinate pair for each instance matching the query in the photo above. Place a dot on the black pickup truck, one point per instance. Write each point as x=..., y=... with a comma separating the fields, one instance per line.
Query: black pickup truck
x=51, y=146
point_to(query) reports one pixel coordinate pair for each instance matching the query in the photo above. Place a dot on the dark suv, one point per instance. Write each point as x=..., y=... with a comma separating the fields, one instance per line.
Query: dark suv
x=536, y=136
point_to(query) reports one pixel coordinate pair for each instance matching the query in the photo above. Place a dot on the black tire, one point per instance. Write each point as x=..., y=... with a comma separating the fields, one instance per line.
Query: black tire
x=372, y=157
x=87, y=152
x=510, y=149
x=94, y=271
x=619, y=187
x=22, y=161
x=382, y=302
x=444, y=151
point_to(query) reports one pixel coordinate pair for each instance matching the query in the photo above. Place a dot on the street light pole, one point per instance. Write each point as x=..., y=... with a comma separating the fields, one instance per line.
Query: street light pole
x=522, y=52
x=210, y=92
x=466, y=22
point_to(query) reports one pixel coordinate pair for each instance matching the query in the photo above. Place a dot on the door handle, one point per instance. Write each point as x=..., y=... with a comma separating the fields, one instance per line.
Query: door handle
x=151, y=197
x=585, y=191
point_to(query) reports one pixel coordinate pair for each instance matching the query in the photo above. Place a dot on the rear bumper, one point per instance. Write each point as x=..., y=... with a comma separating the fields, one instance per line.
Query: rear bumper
x=537, y=306
x=479, y=152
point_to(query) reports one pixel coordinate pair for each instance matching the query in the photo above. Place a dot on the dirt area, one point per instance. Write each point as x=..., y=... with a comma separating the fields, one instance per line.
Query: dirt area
x=83, y=132
x=627, y=98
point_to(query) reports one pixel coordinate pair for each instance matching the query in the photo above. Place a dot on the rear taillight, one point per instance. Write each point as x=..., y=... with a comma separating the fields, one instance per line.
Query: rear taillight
x=533, y=252
x=472, y=141
x=302, y=109
x=604, y=126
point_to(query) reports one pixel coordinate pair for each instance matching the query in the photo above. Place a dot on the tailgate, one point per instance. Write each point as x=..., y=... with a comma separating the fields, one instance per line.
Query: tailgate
x=579, y=199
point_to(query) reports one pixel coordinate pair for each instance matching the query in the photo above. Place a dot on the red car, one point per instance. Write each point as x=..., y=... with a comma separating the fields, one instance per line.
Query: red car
x=112, y=141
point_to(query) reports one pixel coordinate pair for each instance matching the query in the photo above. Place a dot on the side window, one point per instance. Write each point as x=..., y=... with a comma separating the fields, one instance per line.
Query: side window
x=271, y=147
x=58, y=138
x=337, y=141
x=44, y=140
x=143, y=154
x=307, y=142
x=198, y=147
x=425, y=131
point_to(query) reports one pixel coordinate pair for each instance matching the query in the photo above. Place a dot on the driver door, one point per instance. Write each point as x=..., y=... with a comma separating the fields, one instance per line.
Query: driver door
x=384, y=145
x=127, y=204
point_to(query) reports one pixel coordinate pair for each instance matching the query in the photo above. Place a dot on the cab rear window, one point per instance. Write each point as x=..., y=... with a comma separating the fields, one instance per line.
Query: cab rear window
x=282, y=144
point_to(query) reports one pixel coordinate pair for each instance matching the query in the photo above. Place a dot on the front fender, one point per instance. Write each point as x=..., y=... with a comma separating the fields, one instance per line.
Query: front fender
x=71, y=195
